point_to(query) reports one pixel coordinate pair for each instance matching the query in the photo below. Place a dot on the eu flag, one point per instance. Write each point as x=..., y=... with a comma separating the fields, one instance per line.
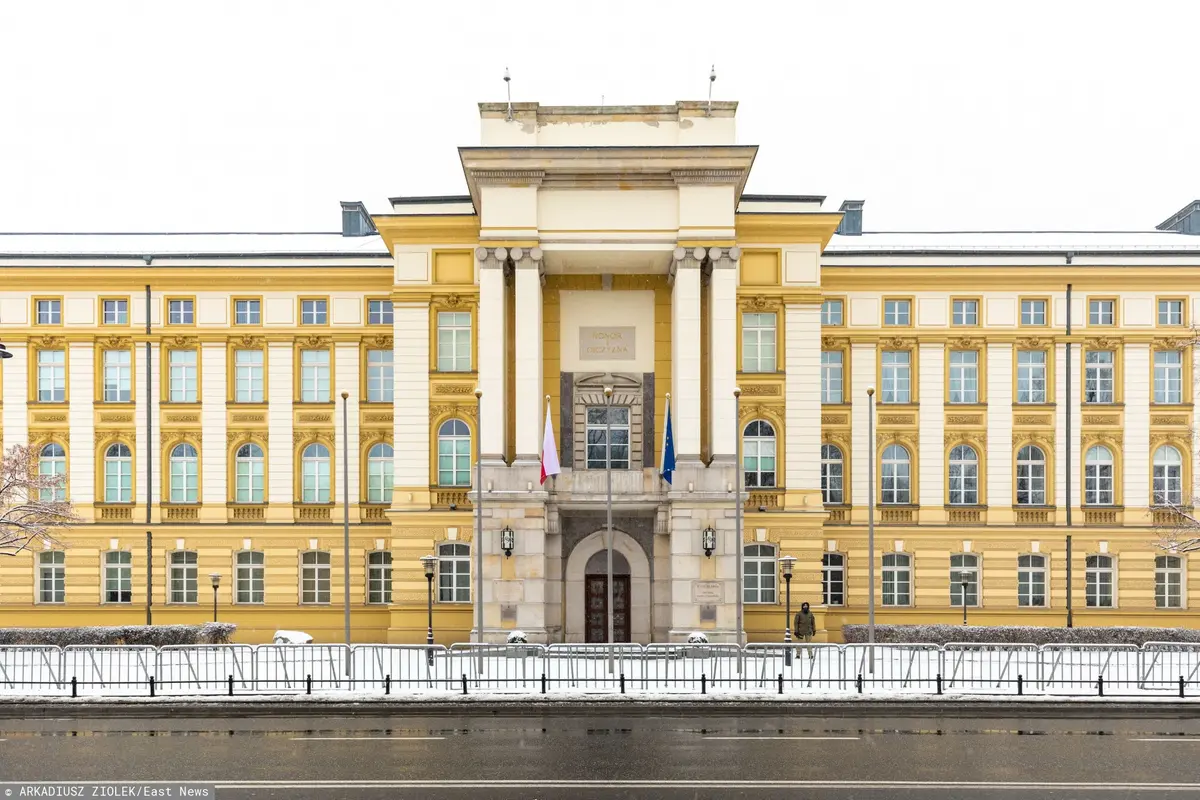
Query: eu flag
x=668, y=456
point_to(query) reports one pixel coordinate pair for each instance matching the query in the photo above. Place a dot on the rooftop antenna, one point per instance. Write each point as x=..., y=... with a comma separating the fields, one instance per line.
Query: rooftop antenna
x=712, y=78
x=508, y=88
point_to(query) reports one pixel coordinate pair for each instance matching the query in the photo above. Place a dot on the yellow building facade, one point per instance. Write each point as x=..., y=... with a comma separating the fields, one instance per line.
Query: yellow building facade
x=239, y=396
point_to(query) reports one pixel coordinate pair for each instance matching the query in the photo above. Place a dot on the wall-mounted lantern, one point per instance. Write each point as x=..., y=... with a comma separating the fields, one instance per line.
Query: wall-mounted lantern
x=708, y=540
x=507, y=541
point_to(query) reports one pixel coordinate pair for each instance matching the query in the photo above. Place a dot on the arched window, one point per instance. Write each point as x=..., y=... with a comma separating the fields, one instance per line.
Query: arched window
x=758, y=574
x=379, y=473
x=1031, y=476
x=1100, y=581
x=454, y=573
x=758, y=455
x=1098, y=476
x=1168, y=582
x=454, y=453
x=896, y=486
x=185, y=474
x=118, y=474
x=831, y=475
x=248, y=474
x=964, y=569
x=964, y=476
x=1031, y=581
x=52, y=468
x=1168, y=476
x=314, y=477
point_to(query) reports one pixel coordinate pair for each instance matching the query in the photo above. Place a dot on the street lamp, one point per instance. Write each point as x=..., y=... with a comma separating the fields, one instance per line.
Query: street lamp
x=738, y=477
x=964, y=600
x=871, y=529
x=788, y=563
x=708, y=541
x=4, y=352
x=428, y=563
x=608, y=529
x=215, y=577
x=507, y=541
x=346, y=521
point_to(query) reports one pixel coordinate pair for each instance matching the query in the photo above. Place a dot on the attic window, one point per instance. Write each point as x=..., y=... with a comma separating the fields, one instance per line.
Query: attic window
x=355, y=220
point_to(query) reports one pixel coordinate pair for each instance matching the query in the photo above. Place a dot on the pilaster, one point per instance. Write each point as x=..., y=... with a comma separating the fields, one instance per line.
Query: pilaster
x=528, y=348
x=722, y=351
x=410, y=405
x=140, y=412
x=214, y=493
x=1000, y=493
x=862, y=449
x=1136, y=449
x=931, y=426
x=802, y=410
x=493, y=374
x=685, y=353
x=280, y=495
x=82, y=422
x=346, y=359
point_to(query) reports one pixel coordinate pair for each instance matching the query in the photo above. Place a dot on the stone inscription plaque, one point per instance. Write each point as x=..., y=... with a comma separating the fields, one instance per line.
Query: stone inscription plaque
x=707, y=592
x=608, y=344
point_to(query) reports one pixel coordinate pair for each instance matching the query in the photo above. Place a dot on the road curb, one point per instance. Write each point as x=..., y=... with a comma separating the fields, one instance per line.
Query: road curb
x=319, y=707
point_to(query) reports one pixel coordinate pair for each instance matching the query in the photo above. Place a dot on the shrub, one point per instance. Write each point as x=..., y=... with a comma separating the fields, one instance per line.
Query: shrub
x=156, y=635
x=1016, y=634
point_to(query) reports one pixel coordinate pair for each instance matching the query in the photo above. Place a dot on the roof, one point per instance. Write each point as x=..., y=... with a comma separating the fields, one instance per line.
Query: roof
x=228, y=245
x=1013, y=242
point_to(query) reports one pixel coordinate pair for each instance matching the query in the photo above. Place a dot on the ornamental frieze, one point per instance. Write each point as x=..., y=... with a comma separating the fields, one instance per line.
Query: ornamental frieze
x=312, y=436
x=758, y=390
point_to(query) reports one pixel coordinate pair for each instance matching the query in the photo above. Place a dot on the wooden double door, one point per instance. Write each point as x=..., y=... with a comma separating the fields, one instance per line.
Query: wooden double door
x=596, y=608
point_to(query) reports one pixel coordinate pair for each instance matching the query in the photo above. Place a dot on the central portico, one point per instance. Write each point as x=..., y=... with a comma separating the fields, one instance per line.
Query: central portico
x=608, y=254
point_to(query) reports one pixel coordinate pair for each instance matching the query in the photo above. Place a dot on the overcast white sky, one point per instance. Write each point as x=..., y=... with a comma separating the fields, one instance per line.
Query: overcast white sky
x=204, y=116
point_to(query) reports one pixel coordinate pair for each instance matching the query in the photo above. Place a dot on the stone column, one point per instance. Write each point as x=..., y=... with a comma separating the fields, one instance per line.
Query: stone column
x=685, y=353
x=722, y=352
x=493, y=375
x=530, y=398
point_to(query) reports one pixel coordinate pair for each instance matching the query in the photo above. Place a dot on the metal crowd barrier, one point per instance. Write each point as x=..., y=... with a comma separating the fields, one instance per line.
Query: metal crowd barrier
x=527, y=669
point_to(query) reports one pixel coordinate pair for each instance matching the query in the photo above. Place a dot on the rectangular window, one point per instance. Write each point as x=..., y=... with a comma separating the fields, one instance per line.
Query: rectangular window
x=183, y=376
x=1031, y=376
x=454, y=573
x=965, y=313
x=247, y=312
x=118, y=371
x=379, y=376
x=597, y=429
x=831, y=313
x=314, y=312
x=1168, y=582
x=314, y=376
x=1031, y=581
x=379, y=312
x=379, y=577
x=897, y=580
x=1033, y=312
x=248, y=376
x=758, y=574
x=964, y=376
x=1102, y=312
x=1098, y=380
x=118, y=576
x=833, y=579
x=897, y=377
x=831, y=376
x=52, y=576
x=49, y=312
x=1099, y=582
x=180, y=312
x=314, y=577
x=964, y=569
x=758, y=342
x=248, y=474
x=52, y=376
x=115, y=312
x=454, y=341
x=897, y=312
x=1168, y=376
x=183, y=576
x=250, y=572
x=1170, y=312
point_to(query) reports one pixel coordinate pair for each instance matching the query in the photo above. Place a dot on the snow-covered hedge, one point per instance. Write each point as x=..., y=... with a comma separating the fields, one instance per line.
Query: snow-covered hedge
x=1016, y=634
x=156, y=635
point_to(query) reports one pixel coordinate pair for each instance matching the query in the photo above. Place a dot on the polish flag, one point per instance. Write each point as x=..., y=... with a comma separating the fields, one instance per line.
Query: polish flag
x=549, y=450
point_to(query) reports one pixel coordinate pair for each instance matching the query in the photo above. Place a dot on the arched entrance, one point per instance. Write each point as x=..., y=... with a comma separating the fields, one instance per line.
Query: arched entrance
x=585, y=579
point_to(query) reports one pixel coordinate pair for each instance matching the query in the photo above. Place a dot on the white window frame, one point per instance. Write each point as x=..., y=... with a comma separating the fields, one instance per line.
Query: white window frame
x=52, y=462
x=250, y=577
x=896, y=366
x=1170, y=582
x=315, y=584
x=316, y=470
x=964, y=377
x=52, y=577
x=833, y=474
x=833, y=574
x=183, y=371
x=1100, y=571
x=598, y=449
x=964, y=565
x=833, y=312
x=1170, y=312
x=314, y=376
x=1033, y=313
x=183, y=474
x=895, y=476
x=249, y=385
x=760, y=461
x=964, y=313
x=118, y=571
x=114, y=311
x=1168, y=377
x=1099, y=377
x=454, y=453
x=1099, y=481
x=48, y=311
x=963, y=476
x=1034, y=467
x=379, y=376
x=379, y=312
x=247, y=311
x=118, y=467
x=1102, y=313
x=379, y=577
x=118, y=376
x=380, y=470
x=454, y=341
x=897, y=574
x=52, y=376
x=184, y=588
x=181, y=311
x=454, y=573
x=832, y=373
x=897, y=312
x=760, y=574
x=1031, y=377
x=1168, y=476
x=1031, y=576
x=759, y=341
x=314, y=311
x=249, y=464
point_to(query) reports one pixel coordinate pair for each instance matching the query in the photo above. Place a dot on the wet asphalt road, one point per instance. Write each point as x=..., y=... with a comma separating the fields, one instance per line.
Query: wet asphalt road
x=557, y=758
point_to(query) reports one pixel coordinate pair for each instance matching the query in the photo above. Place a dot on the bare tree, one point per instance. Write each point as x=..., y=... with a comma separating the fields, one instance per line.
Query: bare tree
x=29, y=513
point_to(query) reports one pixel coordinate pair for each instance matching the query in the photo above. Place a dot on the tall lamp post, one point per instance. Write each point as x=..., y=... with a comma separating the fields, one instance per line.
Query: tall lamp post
x=788, y=563
x=479, y=522
x=964, y=600
x=738, y=477
x=346, y=520
x=428, y=563
x=215, y=577
x=871, y=529
x=608, y=531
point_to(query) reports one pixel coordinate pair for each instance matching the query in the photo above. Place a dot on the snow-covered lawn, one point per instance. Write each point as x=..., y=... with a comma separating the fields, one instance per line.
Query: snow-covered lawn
x=560, y=670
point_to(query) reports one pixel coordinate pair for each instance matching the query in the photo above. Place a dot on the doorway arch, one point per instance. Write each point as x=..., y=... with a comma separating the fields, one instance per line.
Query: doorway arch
x=636, y=566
